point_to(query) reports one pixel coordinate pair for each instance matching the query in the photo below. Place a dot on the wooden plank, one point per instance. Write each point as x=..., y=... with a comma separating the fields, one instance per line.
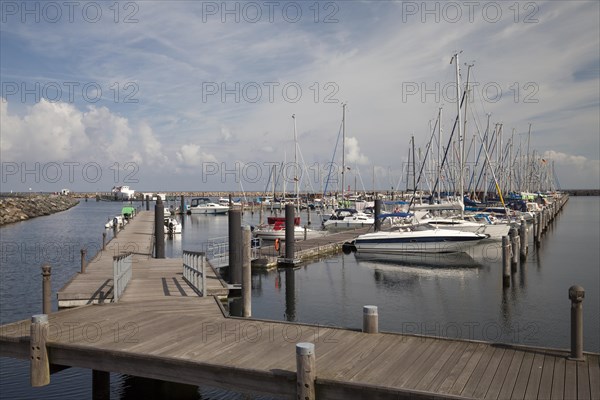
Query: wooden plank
x=523, y=377
x=452, y=377
x=570, y=379
x=488, y=375
x=421, y=365
x=558, y=379
x=594, y=374
x=469, y=378
x=545, y=391
x=439, y=362
x=441, y=376
x=503, y=368
x=583, y=380
x=533, y=385
x=511, y=376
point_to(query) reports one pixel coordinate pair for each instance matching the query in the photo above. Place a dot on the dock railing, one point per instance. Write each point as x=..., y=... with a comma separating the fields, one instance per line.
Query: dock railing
x=194, y=270
x=121, y=274
x=217, y=250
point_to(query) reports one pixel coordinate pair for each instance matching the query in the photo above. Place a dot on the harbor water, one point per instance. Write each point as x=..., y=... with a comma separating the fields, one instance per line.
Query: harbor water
x=463, y=298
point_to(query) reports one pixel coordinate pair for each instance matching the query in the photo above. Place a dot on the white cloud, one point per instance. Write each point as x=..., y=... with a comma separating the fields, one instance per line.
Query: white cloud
x=353, y=154
x=190, y=155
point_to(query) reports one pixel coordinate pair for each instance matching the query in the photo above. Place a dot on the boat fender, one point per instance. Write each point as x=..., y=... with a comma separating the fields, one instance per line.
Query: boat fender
x=277, y=244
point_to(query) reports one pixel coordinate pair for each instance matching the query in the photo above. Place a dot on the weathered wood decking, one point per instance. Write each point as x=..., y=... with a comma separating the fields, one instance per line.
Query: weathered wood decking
x=162, y=329
x=165, y=275
x=187, y=339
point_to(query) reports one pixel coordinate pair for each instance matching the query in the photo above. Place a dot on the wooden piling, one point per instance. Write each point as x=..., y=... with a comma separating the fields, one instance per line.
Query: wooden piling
x=370, y=319
x=46, y=289
x=505, y=261
x=538, y=229
x=377, y=227
x=103, y=240
x=305, y=371
x=235, y=246
x=289, y=231
x=83, y=261
x=100, y=385
x=39, y=362
x=247, y=272
x=523, y=240
x=307, y=217
x=159, y=228
x=514, y=249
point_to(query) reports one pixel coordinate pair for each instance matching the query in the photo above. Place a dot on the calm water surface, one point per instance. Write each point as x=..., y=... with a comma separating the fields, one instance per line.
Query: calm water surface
x=464, y=299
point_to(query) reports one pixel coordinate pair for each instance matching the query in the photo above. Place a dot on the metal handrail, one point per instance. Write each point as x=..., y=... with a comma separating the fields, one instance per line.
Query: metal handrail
x=194, y=270
x=121, y=274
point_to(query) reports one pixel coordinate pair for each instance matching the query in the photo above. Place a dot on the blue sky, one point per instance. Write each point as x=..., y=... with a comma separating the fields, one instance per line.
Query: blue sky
x=199, y=95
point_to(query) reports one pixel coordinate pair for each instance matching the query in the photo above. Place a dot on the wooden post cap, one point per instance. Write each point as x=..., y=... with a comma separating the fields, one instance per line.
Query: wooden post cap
x=305, y=349
x=370, y=310
x=39, y=318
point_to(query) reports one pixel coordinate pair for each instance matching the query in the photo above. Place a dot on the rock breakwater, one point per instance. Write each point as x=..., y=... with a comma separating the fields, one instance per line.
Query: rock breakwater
x=15, y=209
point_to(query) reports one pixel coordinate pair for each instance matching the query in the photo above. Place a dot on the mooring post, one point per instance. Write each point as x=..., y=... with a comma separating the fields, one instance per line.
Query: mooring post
x=100, y=385
x=305, y=232
x=377, y=227
x=83, y=263
x=103, y=240
x=505, y=261
x=307, y=217
x=147, y=203
x=182, y=206
x=46, y=289
x=289, y=232
x=115, y=228
x=576, y=294
x=39, y=362
x=523, y=240
x=247, y=272
x=370, y=319
x=305, y=371
x=260, y=214
x=159, y=228
x=514, y=249
x=235, y=246
x=538, y=228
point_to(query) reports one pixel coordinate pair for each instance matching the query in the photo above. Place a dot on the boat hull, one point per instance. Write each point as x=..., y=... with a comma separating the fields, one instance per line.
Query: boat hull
x=209, y=210
x=435, y=241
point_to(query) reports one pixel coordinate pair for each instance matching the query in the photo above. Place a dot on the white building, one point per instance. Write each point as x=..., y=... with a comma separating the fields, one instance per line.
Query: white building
x=123, y=192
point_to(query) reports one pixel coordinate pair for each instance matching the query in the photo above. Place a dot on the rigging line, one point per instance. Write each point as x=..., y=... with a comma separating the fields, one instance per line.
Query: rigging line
x=450, y=140
x=332, y=159
x=423, y=165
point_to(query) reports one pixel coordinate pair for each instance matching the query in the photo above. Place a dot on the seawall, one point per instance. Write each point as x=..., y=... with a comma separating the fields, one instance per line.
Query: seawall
x=15, y=209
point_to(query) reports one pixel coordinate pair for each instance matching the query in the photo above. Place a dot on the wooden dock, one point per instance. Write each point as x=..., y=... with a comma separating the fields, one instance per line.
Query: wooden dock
x=189, y=340
x=161, y=328
x=165, y=275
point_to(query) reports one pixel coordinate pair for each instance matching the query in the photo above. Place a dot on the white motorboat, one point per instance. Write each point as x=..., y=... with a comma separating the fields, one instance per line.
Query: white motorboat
x=494, y=231
x=204, y=205
x=172, y=226
x=347, y=218
x=117, y=220
x=421, y=238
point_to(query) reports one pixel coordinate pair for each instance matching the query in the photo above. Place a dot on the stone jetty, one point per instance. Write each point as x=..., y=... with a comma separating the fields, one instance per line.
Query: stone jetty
x=15, y=209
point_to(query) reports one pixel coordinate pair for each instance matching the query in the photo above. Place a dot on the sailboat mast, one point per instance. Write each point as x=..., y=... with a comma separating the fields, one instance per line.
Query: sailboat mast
x=439, y=155
x=296, y=166
x=343, y=149
x=460, y=123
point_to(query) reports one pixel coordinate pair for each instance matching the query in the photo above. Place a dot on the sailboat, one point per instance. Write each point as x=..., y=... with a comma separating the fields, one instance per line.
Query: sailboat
x=275, y=229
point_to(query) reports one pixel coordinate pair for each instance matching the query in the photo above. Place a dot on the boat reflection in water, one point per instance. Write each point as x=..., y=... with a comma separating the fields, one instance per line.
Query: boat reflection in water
x=424, y=260
x=406, y=271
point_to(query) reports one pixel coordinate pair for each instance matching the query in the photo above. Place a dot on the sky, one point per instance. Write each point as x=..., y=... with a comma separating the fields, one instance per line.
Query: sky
x=199, y=96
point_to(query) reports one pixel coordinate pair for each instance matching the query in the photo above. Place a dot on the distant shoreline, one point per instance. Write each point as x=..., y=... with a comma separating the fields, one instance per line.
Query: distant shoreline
x=236, y=194
x=15, y=209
